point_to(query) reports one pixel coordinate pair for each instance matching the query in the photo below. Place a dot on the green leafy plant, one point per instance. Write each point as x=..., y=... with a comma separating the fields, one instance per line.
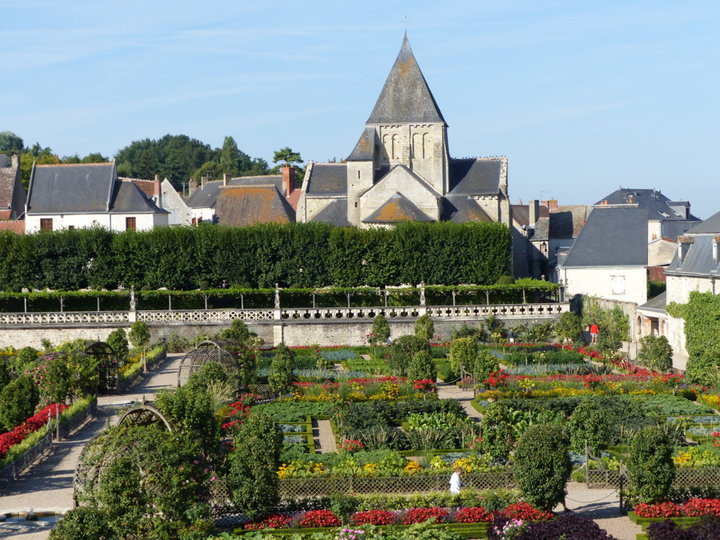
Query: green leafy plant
x=402, y=351
x=281, y=369
x=422, y=367
x=655, y=353
x=650, y=465
x=424, y=327
x=463, y=354
x=17, y=402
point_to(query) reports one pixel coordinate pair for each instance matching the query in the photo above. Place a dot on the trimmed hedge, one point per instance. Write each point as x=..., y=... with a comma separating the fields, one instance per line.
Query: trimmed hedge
x=298, y=255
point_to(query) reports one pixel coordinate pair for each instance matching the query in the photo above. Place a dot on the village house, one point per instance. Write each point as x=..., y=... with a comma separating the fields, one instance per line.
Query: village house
x=12, y=195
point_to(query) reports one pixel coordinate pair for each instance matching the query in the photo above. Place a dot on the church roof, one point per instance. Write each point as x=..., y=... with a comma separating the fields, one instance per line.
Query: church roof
x=397, y=208
x=462, y=209
x=365, y=148
x=327, y=179
x=472, y=176
x=334, y=213
x=406, y=96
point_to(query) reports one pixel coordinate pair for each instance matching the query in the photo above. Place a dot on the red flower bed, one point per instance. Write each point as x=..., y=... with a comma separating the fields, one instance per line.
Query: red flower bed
x=702, y=507
x=526, y=512
x=473, y=514
x=277, y=521
x=373, y=517
x=35, y=422
x=421, y=515
x=318, y=518
x=662, y=510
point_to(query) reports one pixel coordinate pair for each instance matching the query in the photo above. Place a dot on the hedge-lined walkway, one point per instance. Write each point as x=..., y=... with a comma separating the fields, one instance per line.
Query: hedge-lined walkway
x=48, y=487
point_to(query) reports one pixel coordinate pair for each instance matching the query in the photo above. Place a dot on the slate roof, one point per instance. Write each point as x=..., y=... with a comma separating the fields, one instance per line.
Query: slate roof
x=76, y=188
x=652, y=200
x=710, y=226
x=397, y=208
x=462, y=209
x=239, y=206
x=475, y=176
x=611, y=237
x=656, y=303
x=366, y=146
x=406, y=96
x=334, y=213
x=568, y=220
x=128, y=198
x=206, y=196
x=521, y=213
x=327, y=179
x=698, y=260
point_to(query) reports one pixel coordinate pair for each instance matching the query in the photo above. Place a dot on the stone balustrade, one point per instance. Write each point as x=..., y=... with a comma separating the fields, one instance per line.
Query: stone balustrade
x=286, y=315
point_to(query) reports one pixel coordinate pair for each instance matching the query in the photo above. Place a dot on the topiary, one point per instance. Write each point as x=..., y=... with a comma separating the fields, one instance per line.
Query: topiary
x=402, y=351
x=238, y=332
x=650, y=465
x=380, y=331
x=84, y=523
x=542, y=465
x=463, y=352
x=17, y=402
x=422, y=367
x=591, y=423
x=424, y=327
x=281, y=369
x=139, y=334
x=252, y=477
x=656, y=353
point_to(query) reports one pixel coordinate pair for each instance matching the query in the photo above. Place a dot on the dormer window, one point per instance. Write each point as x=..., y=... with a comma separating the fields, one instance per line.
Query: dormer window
x=684, y=244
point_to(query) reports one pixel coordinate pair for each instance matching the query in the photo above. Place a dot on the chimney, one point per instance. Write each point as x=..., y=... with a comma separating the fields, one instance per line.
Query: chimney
x=226, y=177
x=716, y=249
x=192, y=186
x=15, y=160
x=288, y=179
x=157, y=191
x=551, y=204
x=533, y=212
x=203, y=181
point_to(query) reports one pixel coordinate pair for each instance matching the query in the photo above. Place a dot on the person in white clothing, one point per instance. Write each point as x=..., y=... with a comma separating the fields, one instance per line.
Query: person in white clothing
x=455, y=481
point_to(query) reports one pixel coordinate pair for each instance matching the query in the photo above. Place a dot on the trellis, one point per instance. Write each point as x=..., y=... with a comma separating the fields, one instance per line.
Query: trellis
x=144, y=415
x=107, y=365
x=204, y=353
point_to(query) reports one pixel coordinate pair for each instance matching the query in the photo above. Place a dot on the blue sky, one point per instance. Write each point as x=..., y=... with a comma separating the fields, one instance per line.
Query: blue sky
x=581, y=96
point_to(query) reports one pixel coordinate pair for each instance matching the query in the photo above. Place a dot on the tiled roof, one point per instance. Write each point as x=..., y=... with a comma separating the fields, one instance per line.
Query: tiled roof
x=366, y=146
x=463, y=209
x=327, y=179
x=611, y=237
x=334, y=213
x=239, y=206
x=396, y=209
x=146, y=186
x=475, y=176
x=406, y=96
x=71, y=188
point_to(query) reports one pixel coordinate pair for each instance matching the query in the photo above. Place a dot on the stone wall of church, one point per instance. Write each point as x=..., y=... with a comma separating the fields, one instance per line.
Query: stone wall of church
x=400, y=181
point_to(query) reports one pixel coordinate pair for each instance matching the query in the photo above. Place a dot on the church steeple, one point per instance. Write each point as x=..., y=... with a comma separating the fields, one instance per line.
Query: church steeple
x=406, y=97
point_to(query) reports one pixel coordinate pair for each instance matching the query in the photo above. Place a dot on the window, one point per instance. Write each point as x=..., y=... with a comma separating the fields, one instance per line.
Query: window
x=71, y=227
x=618, y=284
x=130, y=224
x=46, y=224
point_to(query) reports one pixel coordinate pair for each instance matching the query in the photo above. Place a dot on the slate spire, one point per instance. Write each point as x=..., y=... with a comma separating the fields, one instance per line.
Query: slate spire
x=406, y=97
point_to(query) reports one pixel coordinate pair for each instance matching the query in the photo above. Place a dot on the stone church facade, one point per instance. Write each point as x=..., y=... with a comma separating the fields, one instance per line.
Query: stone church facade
x=401, y=169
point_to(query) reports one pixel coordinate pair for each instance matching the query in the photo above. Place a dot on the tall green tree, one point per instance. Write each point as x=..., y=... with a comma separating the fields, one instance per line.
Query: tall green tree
x=10, y=143
x=287, y=156
x=463, y=354
x=650, y=465
x=230, y=157
x=281, y=369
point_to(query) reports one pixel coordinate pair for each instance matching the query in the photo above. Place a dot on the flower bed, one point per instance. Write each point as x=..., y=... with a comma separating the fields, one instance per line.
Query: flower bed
x=692, y=508
x=35, y=422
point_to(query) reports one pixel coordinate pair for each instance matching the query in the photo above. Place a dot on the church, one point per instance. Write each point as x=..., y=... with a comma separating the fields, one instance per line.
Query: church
x=401, y=169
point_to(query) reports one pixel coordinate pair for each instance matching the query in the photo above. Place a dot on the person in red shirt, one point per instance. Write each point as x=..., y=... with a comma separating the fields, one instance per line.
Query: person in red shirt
x=594, y=331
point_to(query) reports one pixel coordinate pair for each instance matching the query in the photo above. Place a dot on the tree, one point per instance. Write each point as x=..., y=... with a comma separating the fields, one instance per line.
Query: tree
x=542, y=465
x=281, y=369
x=237, y=332
x=422, y=367
x=655, y=353
x=17, y=402
x=119, y=342
x=230, y=157
x=10, y=143
x=402, y=351
x=485, y=364
x=591, y=423
x=380, y=331
x=463, y=352
x=252, y=478
x=424, y=327
x=287, y=156
x=650, y=465
x=139, y=336
x=569, y=327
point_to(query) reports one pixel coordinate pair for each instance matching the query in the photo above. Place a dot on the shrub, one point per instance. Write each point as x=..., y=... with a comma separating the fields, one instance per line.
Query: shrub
x=655, y=353
x=422, y=367
x=591, y=422
x=84, y=523
x=485, y=364
x=424, y=327
x=542, y=465
x=17, y=402
x=281, y=369
x=463, y=352
x=569, y=327
x=402, y=350
x=421, y=515
x=473, y=514
x=373, y=517
x=139, y=334
x=252, y=477
x=380, y=331
x=119, y=343
x=650, y=465
x=237, y=332
x=669, y=530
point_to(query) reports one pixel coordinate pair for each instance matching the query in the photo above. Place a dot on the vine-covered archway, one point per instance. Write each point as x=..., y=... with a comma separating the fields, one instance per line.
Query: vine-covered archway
x=204, y=353
x=144, y=415
x=107, y=365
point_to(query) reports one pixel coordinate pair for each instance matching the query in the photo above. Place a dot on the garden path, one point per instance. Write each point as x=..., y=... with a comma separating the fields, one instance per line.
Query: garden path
x=448, y=390
x=325, y=437
x=47, y=487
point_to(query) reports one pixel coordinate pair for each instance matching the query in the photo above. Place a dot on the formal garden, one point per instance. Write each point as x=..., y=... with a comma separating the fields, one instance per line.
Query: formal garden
x=342, y=442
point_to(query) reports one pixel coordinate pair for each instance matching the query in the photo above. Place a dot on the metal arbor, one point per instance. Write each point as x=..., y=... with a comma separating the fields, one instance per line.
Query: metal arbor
x=107, y=362
x=144, y=415
x=204, y=353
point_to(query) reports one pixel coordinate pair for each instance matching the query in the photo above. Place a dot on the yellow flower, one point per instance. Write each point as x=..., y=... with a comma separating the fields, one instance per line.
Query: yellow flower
x=412, y=466
x=683, y=458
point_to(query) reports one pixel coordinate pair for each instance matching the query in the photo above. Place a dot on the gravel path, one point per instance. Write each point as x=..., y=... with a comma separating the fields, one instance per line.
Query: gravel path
x=325, y=437
x=47, y=487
